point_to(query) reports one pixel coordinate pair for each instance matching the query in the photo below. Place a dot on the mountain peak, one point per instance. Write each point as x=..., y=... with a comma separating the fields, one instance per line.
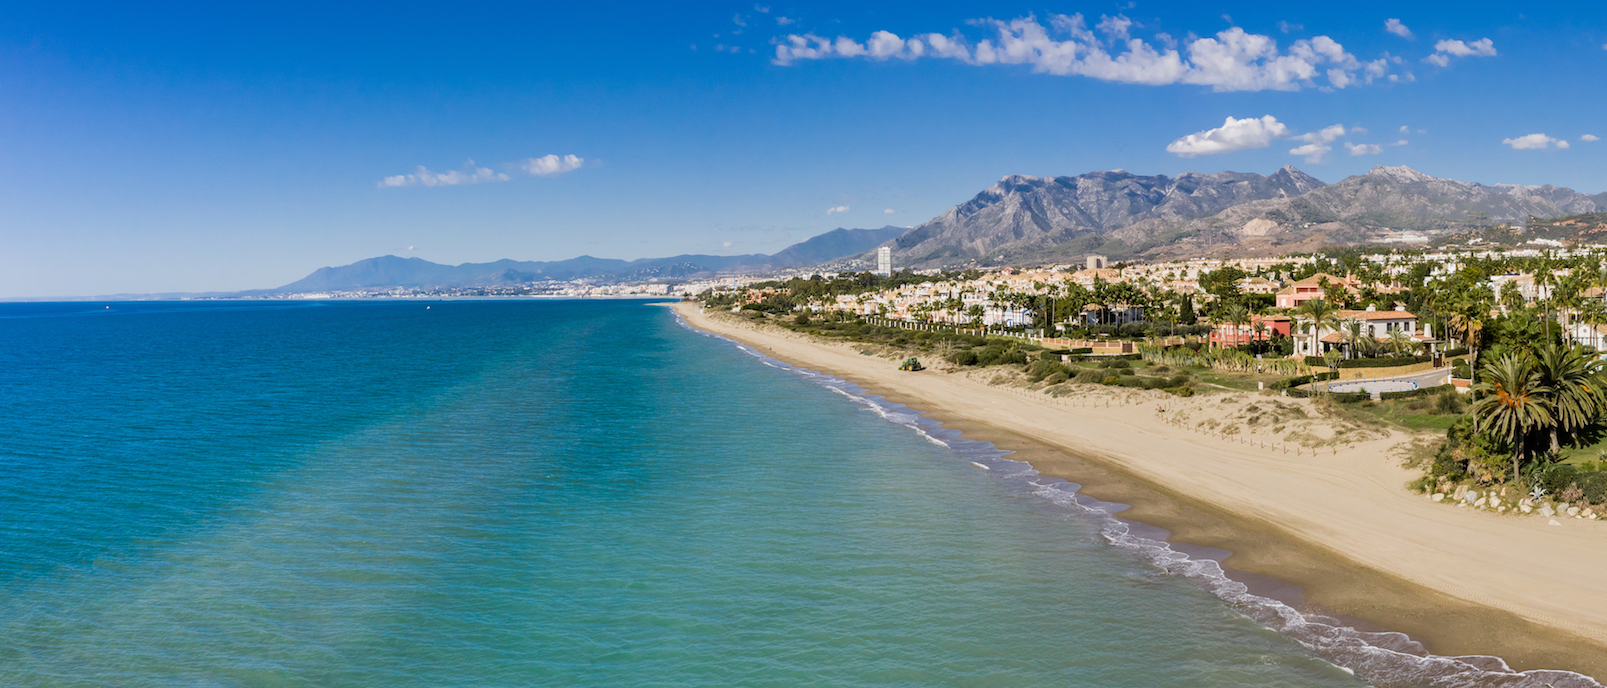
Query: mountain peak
x=1399, y=173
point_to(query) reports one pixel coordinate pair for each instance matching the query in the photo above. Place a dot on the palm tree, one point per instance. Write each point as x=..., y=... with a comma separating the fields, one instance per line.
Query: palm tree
x=1353, y=336
x=1577, y=390
x=1332, y=359
x=1513, y=403
x=1321, y=314
x=1236, y=315
x=1401, y=342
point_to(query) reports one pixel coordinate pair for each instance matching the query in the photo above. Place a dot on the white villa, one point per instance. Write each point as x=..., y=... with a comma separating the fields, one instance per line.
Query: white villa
x=1312, y=341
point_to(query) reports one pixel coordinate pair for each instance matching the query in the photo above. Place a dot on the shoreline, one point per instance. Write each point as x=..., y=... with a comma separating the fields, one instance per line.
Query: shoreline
x=1317, y=553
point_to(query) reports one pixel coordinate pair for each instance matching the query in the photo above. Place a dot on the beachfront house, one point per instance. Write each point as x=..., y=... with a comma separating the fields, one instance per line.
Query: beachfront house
x=1315, y=341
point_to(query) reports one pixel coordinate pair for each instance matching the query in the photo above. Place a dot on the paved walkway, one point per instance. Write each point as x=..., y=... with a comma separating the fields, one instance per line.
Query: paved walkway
x=1428, y=378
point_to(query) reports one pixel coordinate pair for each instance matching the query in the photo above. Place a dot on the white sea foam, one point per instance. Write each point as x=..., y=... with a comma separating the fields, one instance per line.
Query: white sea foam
x=1386, y=659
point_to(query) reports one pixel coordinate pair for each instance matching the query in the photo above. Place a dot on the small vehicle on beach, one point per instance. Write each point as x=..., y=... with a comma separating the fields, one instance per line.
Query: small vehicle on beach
x=912, y=364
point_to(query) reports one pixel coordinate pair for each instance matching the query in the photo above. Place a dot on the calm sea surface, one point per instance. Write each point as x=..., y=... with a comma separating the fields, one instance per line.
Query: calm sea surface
x=532, y=494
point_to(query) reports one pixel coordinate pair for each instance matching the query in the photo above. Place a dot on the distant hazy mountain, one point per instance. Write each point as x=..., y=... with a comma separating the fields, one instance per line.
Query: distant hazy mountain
x=1122, y=215
x=834, y=244
x=391, y=271
x=1034, y=216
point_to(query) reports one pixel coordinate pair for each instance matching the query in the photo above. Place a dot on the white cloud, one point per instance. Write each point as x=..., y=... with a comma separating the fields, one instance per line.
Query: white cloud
x=784, y=21
x=1232, y=60
x=1315, y=153
x=889, y=211
x=1405, y=129
x=468, y=175
x=1533, y=142
x=1363, y=149
x=1590, y=137
x=548, y=165
x=761, y=9
x=1317, y=148
x=1447, y=49
x=838, y=209
x=1325, y=135
x=1395, y=26
x=1234, y=135
x=1115, y=27
x=1286, y=27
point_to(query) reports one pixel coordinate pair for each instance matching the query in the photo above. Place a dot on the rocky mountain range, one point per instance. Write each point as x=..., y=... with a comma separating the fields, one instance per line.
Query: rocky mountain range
x=1023, y=220
x=1025, y=216
x=1125, y=216
x=391, y=271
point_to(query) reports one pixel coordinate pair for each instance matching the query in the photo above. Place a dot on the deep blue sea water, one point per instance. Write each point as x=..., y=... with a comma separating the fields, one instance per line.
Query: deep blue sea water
x=536, y=493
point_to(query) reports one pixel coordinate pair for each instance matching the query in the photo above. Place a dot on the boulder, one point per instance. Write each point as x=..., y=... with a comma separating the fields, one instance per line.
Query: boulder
x=1553, y=522
x=1573, y=511
x=1478, y=503
x=1525, y=508
x=1546, y=511
x=1438, y=496
x=1461, y=492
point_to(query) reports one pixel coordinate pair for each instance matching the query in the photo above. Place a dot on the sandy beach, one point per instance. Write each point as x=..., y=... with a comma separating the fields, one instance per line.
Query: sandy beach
x=1334, y=520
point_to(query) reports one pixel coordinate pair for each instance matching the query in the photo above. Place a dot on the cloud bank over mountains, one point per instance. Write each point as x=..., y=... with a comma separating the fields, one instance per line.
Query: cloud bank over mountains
x=1232, y=60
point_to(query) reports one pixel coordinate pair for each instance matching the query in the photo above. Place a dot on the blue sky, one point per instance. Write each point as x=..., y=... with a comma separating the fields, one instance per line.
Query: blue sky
x=170, y=147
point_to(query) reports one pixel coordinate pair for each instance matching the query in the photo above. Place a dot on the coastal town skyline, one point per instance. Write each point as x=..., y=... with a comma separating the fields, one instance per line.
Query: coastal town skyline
x=163, y=158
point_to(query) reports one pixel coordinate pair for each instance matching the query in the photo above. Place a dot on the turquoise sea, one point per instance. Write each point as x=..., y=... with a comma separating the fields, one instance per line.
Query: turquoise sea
x=557, y=493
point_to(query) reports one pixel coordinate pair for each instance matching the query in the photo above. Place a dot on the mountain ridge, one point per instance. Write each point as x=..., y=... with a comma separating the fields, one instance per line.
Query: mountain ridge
x=1128, y=216
x=389, y=271
x=1025, y=215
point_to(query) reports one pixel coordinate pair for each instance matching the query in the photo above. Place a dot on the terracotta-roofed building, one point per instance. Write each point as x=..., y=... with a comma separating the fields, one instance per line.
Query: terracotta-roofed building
x=1311, y=288
x=1237, y=334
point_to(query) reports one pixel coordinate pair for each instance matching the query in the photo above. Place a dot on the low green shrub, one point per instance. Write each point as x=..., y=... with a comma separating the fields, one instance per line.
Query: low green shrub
x=1419, y=392
x=1089, y=376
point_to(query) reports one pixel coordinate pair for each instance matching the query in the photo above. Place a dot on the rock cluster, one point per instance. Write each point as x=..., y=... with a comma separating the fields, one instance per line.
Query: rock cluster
x=1465, y=497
